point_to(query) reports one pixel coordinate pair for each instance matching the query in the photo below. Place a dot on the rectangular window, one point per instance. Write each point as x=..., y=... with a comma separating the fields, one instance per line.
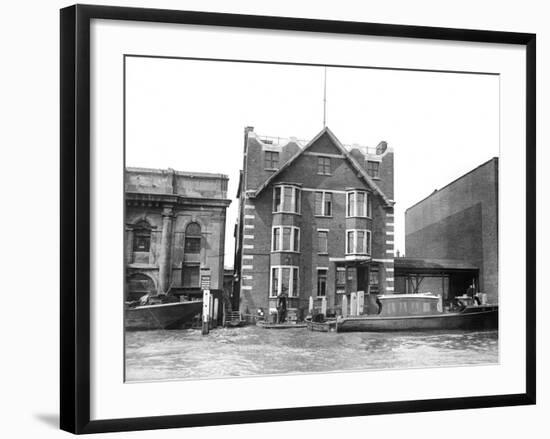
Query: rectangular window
x=369, y=242
x=318, y=203
x=286, y=199
x=358, y=242
x=296, y=239
x=295, y=282
x=328, y=204
x=350, y=204
x=285, y=238
x=373, y=169
x=284, y=280
x=277, y=205
x=191, y=276
x=350, y=242
x=358, y=204
x=322, y=241
x=142, y=242
x=274, y=281
x=192, y=245
x=287, y=231
x=271, y=160
x=322, y=275
x=275, y=243
x=323, y=165
x=361, y=205
x=323, y=203
x=340, y=277
x=369, y=206
x=373, y=275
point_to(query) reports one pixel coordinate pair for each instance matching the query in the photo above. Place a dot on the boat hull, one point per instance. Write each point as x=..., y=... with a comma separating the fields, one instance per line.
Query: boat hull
x=266, y=325
x=162, y=316
x=472, y=318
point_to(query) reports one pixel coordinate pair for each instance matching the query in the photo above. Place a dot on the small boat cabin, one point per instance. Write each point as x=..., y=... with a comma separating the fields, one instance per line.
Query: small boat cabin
x=396, y=305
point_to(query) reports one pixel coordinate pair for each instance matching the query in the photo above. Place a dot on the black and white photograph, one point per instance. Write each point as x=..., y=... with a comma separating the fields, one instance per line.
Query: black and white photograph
x=271, y=219
x=287, y=218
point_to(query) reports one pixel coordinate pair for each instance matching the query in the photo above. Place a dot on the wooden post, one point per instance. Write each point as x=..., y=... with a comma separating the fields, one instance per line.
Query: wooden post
x=353, y=305
x=205, y=311
x=360, y=302
x=324, y=305
x=215, y=316
x=211, y=312
x=311, y=304
x=344, y=306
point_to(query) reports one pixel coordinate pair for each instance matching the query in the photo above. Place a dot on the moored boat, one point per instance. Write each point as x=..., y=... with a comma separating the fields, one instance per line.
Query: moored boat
x=410, y=312
x=284, y=325
x=172, y=315
x=324, y=326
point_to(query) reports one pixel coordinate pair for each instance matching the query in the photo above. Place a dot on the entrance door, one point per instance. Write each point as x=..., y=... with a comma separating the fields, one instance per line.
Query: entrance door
x=363, y=278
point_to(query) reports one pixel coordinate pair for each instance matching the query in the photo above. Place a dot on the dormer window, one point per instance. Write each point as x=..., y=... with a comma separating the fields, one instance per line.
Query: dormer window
x=271, y=160
x=286, y=199
x=358, y=204
x=323, y=166
x=373, y=169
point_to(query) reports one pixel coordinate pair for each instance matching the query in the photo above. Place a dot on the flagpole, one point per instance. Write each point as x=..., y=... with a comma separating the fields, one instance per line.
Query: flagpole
x=325, y=100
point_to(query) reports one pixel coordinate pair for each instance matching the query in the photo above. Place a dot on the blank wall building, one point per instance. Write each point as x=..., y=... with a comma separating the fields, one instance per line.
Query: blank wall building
x=460, y=222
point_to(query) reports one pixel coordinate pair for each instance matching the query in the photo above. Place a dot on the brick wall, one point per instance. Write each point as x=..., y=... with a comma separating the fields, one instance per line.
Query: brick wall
x=460, y=221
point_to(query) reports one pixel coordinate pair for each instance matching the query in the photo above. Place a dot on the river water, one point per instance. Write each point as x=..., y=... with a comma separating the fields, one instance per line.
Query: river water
x=251, y=350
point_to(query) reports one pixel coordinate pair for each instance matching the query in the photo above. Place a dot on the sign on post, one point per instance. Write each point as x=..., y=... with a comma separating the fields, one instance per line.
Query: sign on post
x=205, y=311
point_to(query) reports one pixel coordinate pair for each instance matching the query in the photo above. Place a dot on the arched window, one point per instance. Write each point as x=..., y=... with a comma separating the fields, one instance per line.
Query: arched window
x=193, y=238
x=142, y=237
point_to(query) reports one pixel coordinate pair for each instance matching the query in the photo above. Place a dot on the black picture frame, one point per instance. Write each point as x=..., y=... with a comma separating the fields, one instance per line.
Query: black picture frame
x=75, y=217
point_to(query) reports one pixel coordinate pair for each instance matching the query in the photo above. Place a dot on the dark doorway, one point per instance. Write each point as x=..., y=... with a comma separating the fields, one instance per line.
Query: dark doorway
x=363, y=278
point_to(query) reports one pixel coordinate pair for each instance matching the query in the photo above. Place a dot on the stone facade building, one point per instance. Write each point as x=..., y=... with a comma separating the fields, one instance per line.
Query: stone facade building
x=315, y=220
x=460, y=222
x=175, y=231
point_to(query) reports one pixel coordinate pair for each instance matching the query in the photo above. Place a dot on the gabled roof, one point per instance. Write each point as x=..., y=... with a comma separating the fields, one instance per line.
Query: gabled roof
x=356, y=166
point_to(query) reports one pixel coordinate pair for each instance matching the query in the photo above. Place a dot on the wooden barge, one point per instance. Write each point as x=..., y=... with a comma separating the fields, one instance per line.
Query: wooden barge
x=415, y=312
x=172, y=315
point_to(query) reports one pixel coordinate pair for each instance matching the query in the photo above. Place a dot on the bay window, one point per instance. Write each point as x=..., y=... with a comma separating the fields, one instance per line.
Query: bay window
x=285, y=239
x=286, y=199
x=358, y=204
x=284, y=280
x=358, y=242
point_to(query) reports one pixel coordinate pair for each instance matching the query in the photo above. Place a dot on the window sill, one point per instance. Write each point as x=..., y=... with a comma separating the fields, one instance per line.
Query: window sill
x=291, y=213
x=323, y=253
x=357, y=216
x=271, y=169
x=320, y=173
x=323, y=216
x=285, y=251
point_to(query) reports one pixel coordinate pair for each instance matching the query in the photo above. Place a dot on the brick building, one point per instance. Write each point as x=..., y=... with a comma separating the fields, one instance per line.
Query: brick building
x=175, y=231
x=315, y=219
x=460, y=222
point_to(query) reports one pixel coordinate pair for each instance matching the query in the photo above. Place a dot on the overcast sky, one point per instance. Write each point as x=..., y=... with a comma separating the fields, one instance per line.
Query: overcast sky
x=190, y=116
